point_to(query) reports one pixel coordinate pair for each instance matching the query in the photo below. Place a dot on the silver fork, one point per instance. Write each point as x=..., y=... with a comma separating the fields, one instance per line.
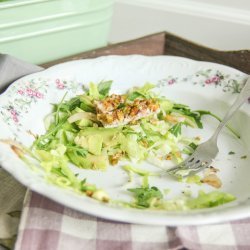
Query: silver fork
x=207, y=151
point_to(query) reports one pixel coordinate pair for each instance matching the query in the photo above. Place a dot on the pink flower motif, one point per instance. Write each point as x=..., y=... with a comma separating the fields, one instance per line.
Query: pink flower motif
x=15, y=119
x=14, y=115
x=59, y=84
x=172, y=81
x=34, y=93
x=214, y=79
x=38, y=94
x=29, y=92
x=208, y=81
x=21, y=92
x=13, y=112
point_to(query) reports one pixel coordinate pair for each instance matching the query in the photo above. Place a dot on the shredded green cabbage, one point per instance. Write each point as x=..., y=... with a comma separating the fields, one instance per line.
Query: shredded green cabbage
x=75, y=135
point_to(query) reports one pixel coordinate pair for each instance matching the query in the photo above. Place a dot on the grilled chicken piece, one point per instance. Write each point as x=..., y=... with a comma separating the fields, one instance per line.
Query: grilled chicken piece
x=114, y=111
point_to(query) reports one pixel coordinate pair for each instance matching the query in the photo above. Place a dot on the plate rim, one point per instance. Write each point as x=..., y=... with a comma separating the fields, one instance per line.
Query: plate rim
x=195, y=219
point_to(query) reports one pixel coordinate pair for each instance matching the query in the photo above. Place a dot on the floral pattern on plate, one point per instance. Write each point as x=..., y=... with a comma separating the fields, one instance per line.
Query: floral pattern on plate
x=32, y=91
x=209, y=77
x=23, y=95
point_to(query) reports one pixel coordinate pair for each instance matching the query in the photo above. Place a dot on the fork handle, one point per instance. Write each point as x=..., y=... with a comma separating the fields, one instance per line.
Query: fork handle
x=242, y=97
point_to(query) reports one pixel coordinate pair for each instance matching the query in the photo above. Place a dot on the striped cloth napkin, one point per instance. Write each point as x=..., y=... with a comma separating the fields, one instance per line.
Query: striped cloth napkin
x=46, y=225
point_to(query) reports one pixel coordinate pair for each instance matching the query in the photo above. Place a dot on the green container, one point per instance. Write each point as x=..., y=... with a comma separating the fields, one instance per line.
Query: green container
x=39, y=31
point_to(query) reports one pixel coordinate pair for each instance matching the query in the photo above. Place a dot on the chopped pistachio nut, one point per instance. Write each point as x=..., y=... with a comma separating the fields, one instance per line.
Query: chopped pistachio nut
x=110, y=115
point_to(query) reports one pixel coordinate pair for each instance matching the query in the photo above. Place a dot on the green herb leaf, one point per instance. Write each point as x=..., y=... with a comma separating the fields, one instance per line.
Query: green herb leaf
x=180, y=106
x=57, y=117
x=176, y=129
x=132, y=96
x=87, y=108
x=121, y=105
x=185, y=110
x=193, y=145
x=104, y=87
x=71, y=104
x=145, y=195
x=78, y=150
x=204, y=112
x=87, y=104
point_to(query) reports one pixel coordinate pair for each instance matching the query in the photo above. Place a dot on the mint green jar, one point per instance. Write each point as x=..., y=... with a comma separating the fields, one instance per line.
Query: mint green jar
x=39, y=31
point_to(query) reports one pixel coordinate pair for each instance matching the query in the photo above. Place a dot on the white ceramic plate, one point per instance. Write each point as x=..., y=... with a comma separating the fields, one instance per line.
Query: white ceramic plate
x=201, y=85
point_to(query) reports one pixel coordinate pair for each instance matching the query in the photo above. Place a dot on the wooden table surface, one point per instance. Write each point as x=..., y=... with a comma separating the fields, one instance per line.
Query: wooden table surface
x=165, y=43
